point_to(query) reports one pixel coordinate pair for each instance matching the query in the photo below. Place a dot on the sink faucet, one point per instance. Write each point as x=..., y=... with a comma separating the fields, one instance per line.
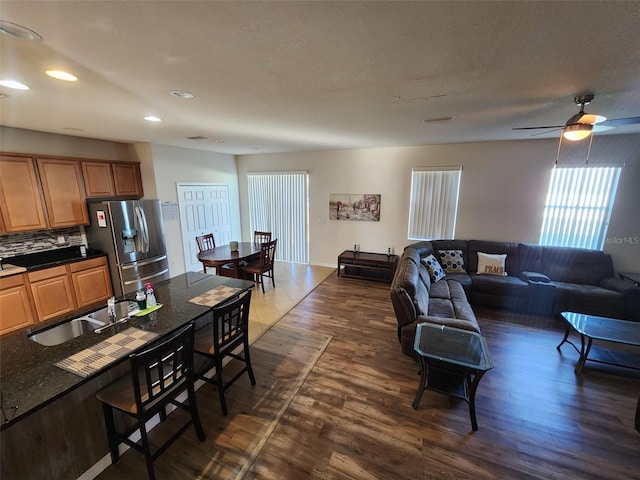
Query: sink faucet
x=111, y=309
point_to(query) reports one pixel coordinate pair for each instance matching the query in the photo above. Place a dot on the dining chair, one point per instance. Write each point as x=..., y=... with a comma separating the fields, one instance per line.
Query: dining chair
x=220, y=338
x=261, y=237
x=263, y=267
x=158, y=375
x=206, y=242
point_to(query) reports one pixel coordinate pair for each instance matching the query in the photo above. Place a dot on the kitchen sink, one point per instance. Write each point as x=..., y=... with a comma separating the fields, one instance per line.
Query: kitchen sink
x=65, y=331
x=94, y=322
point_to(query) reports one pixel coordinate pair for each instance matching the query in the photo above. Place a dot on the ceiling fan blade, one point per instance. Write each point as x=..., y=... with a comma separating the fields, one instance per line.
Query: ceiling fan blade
x=537, y=128
x=548, y=131
x=616, y=122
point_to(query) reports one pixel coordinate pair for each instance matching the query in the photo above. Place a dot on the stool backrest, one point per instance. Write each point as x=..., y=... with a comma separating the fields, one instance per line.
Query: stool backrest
x=231, y=323
x=163, y=368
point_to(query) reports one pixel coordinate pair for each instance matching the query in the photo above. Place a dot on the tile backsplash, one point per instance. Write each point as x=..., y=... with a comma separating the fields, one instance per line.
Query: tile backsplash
x=31, y=242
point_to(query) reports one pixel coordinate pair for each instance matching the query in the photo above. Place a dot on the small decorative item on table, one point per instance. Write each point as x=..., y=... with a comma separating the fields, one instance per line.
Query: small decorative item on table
x=233, y=246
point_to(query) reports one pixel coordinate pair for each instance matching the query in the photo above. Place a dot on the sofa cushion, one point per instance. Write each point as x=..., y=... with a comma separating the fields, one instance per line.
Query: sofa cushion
x=441, y=307
x=423, y=248
x=575, y=265
x=589, y=299
x=530, y=257
x=452, y=261
x=440, y=290
x=462, y=278
x=498, y=285
x=456, y=291
x=492, y=263
x=433, y=267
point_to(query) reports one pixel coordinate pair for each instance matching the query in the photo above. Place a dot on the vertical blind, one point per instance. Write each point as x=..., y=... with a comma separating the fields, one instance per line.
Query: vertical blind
x=434, y=202
x=278, y=203
x=578, y=206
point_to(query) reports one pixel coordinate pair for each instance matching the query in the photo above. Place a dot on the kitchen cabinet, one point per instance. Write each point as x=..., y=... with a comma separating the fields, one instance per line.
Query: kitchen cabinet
x=21, y=200
x=98, y=179
x=63, y=192
x=127, y=179
x=52, y=292
x=91, y=281
x=15, y=304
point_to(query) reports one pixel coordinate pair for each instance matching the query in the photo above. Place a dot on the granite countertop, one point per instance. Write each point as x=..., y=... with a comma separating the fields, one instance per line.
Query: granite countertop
x=30, y=380
x=49, y=258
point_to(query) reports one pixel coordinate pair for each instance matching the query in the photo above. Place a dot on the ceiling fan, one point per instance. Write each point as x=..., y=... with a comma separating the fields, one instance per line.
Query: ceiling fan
x=580, y=125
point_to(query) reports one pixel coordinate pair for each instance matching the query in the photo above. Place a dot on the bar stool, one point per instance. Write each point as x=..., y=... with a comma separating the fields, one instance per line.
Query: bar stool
x=158, y=375
x=228, y=330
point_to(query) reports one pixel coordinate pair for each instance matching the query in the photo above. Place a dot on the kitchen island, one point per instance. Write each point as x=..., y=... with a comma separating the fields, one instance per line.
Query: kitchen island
x=57, y=430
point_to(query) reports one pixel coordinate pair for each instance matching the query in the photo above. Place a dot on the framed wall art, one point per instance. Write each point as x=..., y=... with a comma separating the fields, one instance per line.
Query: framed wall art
x=363, y=207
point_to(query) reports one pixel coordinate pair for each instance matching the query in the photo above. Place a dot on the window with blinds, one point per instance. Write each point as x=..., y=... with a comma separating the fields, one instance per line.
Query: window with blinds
x=434, y=202
x=278, y=203
x=578, y=206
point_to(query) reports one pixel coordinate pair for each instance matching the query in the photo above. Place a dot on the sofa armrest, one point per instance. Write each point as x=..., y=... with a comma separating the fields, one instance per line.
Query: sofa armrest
x=449, y=322
x=534, y=277
x=619, y=285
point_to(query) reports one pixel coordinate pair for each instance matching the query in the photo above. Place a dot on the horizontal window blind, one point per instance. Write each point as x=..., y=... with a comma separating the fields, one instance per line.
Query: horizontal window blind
x=578, y=206
x=434, y=202
x=278, y=203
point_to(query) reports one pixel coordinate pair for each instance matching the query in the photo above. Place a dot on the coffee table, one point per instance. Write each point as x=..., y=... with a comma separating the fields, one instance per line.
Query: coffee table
x=367, y=265
x=452, y=361
x=591, y=327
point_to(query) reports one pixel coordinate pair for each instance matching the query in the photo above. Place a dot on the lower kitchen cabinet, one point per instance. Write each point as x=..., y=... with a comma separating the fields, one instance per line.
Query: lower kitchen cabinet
x=15, y=304
x=91, y=281
x=52, y=292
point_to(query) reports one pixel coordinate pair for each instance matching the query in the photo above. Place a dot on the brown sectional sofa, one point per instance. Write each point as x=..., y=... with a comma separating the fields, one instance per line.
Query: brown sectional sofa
x=540, y=279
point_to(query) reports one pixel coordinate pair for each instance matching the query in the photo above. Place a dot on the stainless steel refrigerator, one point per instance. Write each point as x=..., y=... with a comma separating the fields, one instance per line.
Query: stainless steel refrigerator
x=131, y=233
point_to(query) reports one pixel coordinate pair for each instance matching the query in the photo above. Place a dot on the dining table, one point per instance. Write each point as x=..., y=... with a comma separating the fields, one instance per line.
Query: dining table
x=228, y=262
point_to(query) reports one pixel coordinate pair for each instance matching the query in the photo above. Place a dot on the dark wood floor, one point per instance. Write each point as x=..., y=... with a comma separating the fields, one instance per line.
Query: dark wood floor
x=351, y=417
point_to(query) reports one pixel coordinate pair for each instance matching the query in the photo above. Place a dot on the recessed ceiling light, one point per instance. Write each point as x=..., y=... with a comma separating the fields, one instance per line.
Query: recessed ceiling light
x=152, y=118
x=62, y=75
x=181, y=94
x=219, y=141
x=18, y=31
x=13, y=84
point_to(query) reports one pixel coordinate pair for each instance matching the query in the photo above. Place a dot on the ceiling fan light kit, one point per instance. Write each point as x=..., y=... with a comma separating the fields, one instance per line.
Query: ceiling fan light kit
x=577, y=131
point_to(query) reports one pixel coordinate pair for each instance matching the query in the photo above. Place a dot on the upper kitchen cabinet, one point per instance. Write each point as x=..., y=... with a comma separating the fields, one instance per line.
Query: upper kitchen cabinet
x=111, y=179
x=63, y=192
x=127, y=179
x=20, y=197
x=98, y=179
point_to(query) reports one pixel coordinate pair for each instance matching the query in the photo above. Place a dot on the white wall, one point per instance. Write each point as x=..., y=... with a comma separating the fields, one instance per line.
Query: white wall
x=501, y=198
x=171, y=165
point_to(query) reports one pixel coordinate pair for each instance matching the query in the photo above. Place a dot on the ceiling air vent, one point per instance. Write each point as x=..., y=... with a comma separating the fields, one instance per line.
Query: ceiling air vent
x=198, y=137
x=438, y=120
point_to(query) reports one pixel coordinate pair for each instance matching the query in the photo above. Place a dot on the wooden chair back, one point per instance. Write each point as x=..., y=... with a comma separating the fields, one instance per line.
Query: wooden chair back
x=206, y=242
x=261, y=237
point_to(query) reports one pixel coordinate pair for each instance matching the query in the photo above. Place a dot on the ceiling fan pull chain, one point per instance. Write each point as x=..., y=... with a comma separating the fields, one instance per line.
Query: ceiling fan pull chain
x=589, y=151
x=558, y=153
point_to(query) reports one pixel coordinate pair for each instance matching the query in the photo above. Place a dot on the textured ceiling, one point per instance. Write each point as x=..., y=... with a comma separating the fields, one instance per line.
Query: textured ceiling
x=289, y=76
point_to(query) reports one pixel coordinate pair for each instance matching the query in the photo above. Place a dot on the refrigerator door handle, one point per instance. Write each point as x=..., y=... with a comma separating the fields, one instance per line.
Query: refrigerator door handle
x=144, y=229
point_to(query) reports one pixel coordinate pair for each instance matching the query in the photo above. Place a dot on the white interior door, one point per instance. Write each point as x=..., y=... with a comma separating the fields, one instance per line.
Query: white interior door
x=204, y=208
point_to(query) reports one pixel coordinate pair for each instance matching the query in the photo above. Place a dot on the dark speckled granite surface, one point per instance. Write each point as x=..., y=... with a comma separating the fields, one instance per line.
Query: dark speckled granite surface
x=30, y=380
x=52, y=258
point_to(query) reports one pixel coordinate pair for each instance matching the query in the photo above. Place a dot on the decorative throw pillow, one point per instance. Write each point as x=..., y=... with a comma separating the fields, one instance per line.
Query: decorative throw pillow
x=433, y=267
x=452, y=261
x=492, y=264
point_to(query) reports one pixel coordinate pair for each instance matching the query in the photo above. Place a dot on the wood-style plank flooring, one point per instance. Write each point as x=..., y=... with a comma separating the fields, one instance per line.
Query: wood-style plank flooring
x=350, y=415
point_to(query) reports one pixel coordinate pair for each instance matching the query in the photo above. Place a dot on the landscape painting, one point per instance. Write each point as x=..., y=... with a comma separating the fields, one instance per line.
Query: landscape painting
x=354, y=206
